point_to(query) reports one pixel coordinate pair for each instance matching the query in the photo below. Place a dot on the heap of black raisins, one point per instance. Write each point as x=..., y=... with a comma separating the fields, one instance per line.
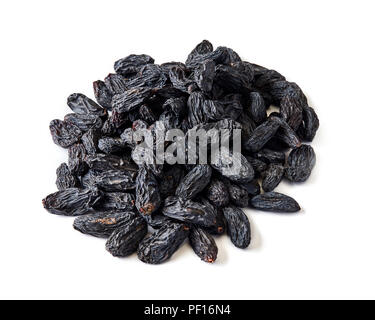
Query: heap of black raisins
x=153, y=208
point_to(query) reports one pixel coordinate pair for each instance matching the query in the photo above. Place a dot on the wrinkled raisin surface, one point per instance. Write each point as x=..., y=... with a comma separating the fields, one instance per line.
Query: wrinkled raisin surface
x=144, y=202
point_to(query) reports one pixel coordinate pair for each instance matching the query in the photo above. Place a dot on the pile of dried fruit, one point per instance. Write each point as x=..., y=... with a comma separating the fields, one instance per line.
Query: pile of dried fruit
x=153, y=208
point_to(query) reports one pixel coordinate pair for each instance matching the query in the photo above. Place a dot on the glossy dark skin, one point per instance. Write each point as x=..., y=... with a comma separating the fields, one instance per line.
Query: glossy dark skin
x=160, y=246
x=238, y=226
x=65, y=178
x=146, y=203
x=272, y=177
x=201, y=213
x=194, y=182
x=126, y=238
x=217, y=193
x=203, y=244
x=275, y=202
x=102, y=224
x=300, y=163
x=148, y=197
x=72, y=201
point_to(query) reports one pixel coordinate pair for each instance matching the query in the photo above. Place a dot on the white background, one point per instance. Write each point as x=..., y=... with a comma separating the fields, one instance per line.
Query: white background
x=50, y=49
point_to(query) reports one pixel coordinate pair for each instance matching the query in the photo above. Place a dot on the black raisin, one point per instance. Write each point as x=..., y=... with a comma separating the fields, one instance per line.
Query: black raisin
x=276, y=202
x=72, y=201
x=194, y=182
x=102, y=225
x=238, y=226
x=81, y=104
x=64, y=134
x=161, y=245
x=65, y=178
x=301, y=161
x=200, y=213
x=203, y=244
x=217, y=193
x=125, y=239
x=148, y=197
x=272, y=177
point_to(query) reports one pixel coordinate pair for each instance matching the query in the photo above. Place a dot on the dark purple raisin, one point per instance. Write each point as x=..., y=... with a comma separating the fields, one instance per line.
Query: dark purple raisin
x=81, y=104
x=116, y=201
x=201, y=213
x=72, y=201
x=132, y=64
x=272, y=177
x=194, y=182
x=126, y=238
x=64, y=134
x=300, y=163
x=101, y=224
x=262, y=134
x=160, y=246
x=217, y=193
x=275, y=202
x=65, y=178
x=203, y=244
x=77, y=156
x=102, y=94
x=147, y=192
x=238, y=226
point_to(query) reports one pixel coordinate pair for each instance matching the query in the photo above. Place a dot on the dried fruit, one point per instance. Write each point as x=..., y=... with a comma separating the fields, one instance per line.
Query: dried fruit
x=84, y=122
x=227, y=167
x=116, y=84
x=105, y=162
x=115, y=180
x=202, y=48
x=291, y=110
x=258, y=165
x=220, y=226
x=125, y=239
x=81, y=104
x=270, y=156
x=76, y=162
x=161, y=245
x=132, y=64
x=262, y=134
x=102, y=94
x=203, y=244
x=149, y=76
x=90, y=141
x=111, y=145
x=257, y=107
x=217, y=193
x=170, y=180
x=200, y=213
x=238, y=226
x=120, y=181
x=309, y=125
x=147, y=192
x=72, y=201
x=238, y=195
x=272, y=177
x=204, y=75
x=130, y=99
x=252, y=188
x=116, y=201
x=156, y=220
x=65, y=178
x=301, y=161
x=102, y=225
x=64, y=134
x=276, y=202
x=194, y=182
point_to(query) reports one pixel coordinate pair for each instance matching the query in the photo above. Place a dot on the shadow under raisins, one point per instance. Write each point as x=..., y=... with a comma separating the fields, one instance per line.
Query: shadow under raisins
x=256, y=237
